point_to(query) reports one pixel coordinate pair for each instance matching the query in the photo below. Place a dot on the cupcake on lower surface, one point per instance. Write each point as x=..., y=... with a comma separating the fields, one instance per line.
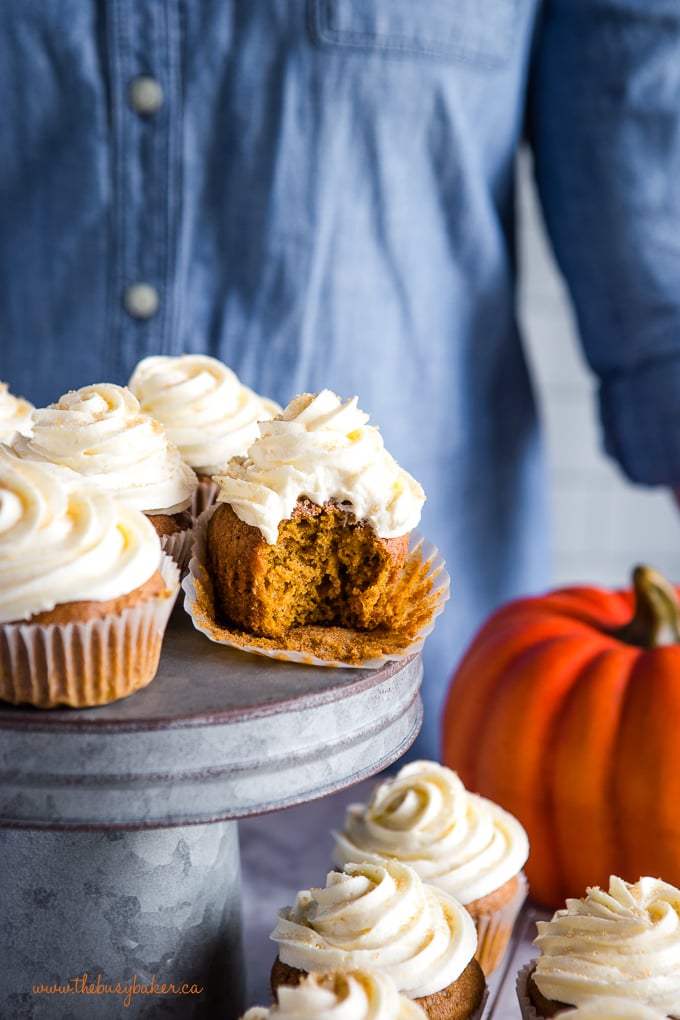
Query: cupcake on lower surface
x=205, y=410
x=457, y=841
x=100, y=432
x=381, y=917
x=312, y=529
x=623, y=943
x=15, y=414
x=340, y=995
x=85, y=591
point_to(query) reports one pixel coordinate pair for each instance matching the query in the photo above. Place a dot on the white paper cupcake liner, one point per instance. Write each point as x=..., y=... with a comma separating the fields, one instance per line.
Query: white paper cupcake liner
x=197, y=584
x=494, y=929
x=521, y=984
x=84, y=664
x=204, y=496
x=479, y=1012
x=179, y=546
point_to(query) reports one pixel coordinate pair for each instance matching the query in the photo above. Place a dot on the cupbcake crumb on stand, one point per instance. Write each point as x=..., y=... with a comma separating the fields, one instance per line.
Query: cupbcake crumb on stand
x=354, y=995
x=205, y=410
x=100, y=432
x=384, y=918
x=456, y=840
x=621, y=943
x=85, y=590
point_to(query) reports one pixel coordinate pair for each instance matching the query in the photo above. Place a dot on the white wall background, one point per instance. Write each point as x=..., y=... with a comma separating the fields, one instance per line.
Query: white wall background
x=603, y=524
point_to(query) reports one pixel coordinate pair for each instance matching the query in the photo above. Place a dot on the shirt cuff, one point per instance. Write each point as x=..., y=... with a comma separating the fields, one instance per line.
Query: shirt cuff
x=641, y=420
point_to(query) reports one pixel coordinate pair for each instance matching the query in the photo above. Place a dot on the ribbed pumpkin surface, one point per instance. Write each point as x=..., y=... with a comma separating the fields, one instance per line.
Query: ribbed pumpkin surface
x=577, y=733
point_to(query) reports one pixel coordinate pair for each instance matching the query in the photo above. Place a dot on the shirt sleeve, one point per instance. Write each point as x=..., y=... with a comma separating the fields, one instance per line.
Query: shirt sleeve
x=604, y=127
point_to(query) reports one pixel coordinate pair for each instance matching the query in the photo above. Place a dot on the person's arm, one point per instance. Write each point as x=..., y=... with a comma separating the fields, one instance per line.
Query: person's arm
x=604, y=126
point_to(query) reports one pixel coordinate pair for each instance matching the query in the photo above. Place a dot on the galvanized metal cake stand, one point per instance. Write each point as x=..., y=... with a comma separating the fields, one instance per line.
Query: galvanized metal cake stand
x=118, y=833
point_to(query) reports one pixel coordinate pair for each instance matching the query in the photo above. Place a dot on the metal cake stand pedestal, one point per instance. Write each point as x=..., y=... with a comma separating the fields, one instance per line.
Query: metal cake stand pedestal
x=120, y=890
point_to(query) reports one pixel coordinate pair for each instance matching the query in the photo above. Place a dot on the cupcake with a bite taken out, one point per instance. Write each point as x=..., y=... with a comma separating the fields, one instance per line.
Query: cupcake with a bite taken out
x=310, y=551
x=313, y=524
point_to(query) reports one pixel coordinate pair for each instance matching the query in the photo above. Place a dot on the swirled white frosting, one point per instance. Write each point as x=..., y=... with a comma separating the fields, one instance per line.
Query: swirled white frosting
x=100, y=432
x=608, y=1008
x=379, y=917
x=206, y=411
x=321, y=448
x=63, y=541
x=461, y=842
x=350, y=995
x=623, y=943
x=15, y=414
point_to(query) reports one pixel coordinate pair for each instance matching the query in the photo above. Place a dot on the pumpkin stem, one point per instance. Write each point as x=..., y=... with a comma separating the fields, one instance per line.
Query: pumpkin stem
x=656, y=619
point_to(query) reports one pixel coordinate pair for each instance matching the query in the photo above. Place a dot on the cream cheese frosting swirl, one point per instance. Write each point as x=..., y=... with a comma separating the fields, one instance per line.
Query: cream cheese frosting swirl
x=350, y=995
x=624, y=942
x=321, y=448
x=15, y=414
x=608, y=1008
x=379, y=917
x=206, y=411
x=63, y=541
x=100, y=432
x=458, y=841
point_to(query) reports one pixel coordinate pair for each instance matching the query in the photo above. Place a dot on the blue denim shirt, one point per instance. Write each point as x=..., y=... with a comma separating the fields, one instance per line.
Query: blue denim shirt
x=321, y=194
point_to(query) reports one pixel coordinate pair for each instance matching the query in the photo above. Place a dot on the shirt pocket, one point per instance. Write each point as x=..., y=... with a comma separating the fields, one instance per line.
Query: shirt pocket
x=478, y=31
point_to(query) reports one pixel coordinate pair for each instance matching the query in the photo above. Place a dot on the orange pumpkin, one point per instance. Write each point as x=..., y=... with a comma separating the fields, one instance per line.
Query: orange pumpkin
x=566, y=711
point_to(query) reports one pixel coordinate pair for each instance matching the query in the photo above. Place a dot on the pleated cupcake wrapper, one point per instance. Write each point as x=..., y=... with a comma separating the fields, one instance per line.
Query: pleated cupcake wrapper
x=204, y=619
x=83, y=664
x=494, y=930
x=204, y=496
x=526, y=1006
x=179, y=546
x=479, y=1012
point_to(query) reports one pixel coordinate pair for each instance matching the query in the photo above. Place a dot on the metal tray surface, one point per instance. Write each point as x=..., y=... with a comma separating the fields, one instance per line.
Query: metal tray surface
x=218, y=734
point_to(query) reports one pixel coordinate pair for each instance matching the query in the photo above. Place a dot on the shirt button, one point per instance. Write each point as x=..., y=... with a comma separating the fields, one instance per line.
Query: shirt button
x=141, y=300
x=145, y=95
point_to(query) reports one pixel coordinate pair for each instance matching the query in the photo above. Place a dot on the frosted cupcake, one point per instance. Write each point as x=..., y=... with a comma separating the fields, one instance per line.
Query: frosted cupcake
x=310, y=548
x=382, y=917
x=85, y=591
x=340, y=995
x=99, y=432
x=457, y=841
x=205, y=410
x=15, y=414
x=622, y=944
